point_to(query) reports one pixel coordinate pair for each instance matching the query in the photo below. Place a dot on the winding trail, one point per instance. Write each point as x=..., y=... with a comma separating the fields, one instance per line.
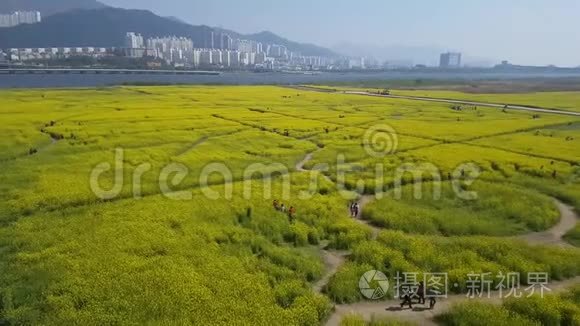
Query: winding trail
x=421, y=315
x=300, y=165
x=363, y=202
x=554, y=236
x=333, y=260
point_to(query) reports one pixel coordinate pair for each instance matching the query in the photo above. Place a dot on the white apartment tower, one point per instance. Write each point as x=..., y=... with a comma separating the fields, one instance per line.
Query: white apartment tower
x=134, y=41
x=20, y=17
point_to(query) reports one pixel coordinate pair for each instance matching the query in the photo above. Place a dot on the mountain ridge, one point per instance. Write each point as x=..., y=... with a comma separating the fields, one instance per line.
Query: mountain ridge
x=106, y=27
x=48, y=7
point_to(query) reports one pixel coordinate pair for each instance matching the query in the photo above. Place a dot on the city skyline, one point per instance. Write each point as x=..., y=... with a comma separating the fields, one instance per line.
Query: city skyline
x=491, y=30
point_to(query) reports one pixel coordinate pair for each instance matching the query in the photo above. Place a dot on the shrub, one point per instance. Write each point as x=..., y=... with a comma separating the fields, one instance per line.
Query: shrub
x=478, y=314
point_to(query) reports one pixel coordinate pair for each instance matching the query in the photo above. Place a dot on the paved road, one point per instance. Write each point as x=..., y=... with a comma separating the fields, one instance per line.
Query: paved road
x=462, y=102
x=450, y=101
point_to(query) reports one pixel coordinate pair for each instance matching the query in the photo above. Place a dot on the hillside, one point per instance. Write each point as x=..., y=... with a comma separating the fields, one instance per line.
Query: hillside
x=304, y=48
x=49, y=7
x=100, y=27
x=107, y=27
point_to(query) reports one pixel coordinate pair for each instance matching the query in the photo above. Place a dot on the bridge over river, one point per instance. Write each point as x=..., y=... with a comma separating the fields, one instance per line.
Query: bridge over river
x=30, y=71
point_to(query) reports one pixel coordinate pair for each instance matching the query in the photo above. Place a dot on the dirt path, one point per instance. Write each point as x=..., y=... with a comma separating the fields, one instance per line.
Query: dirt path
x=421, y=315
x=53, y=141
x=333, y=260
x=553, y=236
x=363, y=202
x=300, y=165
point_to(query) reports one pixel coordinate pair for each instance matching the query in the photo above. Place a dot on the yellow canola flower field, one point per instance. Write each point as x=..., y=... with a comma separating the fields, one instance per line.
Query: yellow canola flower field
x=160, y=252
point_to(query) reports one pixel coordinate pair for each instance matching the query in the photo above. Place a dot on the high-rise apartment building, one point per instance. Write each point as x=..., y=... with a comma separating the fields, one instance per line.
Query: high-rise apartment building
x=177, y=50
x=244, y=46
x=135, y=45
x=20, y=17
x=450, y=60
x=134, y=41
x=277, y=51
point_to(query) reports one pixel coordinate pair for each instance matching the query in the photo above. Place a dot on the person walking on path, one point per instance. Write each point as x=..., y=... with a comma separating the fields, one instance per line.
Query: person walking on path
x=291, y=213
x=421, y=293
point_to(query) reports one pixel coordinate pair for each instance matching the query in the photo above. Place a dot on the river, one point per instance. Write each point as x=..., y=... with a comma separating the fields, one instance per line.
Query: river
x=249, y=78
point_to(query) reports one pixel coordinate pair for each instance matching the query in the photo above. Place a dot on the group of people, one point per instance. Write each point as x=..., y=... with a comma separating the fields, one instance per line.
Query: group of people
x=420, y=295
x=280, y=207
x=354, y=209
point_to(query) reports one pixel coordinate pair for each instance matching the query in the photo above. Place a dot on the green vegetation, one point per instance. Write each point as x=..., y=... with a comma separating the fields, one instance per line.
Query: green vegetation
x=355, y=320
x=551, y=310
x=68, y=256
x=395, y=252
x=573, y=236
x=553, y=100
x=498, y=210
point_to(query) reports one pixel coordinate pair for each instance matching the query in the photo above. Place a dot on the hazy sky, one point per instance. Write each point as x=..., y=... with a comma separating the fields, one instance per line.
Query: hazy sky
x=521, y=31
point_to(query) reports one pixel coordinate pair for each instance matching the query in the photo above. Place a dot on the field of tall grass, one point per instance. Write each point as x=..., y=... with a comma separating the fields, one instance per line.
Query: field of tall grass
x=68, y=256
x=499, y=210
x=569, y=101
x=554, y=310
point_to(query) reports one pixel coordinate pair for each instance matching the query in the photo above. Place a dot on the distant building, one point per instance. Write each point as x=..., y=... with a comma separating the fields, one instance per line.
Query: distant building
x=25, y=54
x=176, y=50
x=134, y=41
x=29, y=17
x=244, y=46
x=135, y=45
x=227, y=42
x=216, y=57
x=196, y=57
x=356, y=63
x=277, y=51
x=234, y=59
x=260, y=58
x=450, y=60
x=205, y=58
x=19, y=18
x=257, y=47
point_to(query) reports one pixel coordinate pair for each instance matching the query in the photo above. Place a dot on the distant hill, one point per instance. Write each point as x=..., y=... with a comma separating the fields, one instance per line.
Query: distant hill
x=48, y=7
x=99, y=27
x=107, y=27
x=271, y=38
